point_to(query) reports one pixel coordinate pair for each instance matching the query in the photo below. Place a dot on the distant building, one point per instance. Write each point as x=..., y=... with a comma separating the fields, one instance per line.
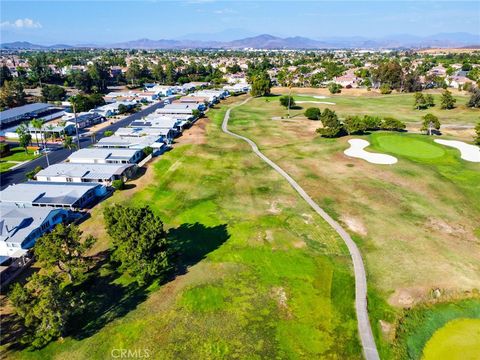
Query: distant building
x=25, y=113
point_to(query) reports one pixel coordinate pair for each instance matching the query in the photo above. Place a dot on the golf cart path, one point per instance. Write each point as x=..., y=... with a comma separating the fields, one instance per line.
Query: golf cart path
x=365, y=331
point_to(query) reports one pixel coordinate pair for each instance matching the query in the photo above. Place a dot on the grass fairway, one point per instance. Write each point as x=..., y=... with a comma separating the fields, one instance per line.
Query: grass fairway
x=399, y=106
x=407, y=145
x=416, y=222
x=269, y=279
x=458, y=340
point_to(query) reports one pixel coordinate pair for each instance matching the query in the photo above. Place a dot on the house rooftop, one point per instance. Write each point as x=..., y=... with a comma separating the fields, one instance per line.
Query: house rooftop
x=99, y=153
x=45, y=192
x=85, y=171
x=17, y=223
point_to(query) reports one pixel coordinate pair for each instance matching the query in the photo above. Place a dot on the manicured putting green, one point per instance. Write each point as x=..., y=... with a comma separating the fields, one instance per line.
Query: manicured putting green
x=458, y=339
x=405, y=145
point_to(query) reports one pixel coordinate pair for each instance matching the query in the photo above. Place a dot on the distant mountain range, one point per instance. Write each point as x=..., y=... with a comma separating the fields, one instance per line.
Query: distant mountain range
x=266, y=41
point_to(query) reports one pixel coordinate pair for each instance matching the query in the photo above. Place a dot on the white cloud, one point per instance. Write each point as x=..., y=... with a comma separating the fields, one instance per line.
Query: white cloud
x=21, y=24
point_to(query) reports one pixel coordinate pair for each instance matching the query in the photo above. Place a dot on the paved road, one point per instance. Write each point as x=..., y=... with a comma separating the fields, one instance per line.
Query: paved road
x=364, y=329
x=18, y=174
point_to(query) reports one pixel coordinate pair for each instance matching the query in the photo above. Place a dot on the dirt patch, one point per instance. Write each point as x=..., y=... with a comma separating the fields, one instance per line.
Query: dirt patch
x=388, y=330
x=273, y=209
x=307, y=218
x=442, y=226
x=197, y=134
x=299, y=244
x=280, y=296
x=355, y=224
x=407, y=297
x=269, y=235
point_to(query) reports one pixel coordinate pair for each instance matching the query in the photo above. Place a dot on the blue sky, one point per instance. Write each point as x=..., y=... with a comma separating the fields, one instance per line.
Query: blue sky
x=80, y=22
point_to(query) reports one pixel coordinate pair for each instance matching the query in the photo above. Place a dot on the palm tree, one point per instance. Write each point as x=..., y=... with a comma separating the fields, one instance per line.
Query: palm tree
x=37, y=125
x=50, y=127
x=68, y=143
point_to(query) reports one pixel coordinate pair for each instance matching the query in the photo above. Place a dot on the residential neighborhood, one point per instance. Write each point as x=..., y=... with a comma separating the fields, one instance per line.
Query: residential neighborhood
x=87, y=175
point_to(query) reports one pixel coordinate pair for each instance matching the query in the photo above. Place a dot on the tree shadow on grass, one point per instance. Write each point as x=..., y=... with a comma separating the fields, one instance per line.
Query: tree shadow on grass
x=107, y=299
x=193, y=242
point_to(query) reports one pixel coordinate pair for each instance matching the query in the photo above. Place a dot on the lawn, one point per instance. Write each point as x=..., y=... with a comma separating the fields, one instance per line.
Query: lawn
x=434, y=330
x=458, y=340
x=17, y=154
x=406, y=145
x=399, y=106
x=268, y=278
x=416, y=222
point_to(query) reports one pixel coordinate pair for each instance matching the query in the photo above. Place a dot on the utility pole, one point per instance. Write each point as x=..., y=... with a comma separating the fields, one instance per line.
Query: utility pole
x=76, y=124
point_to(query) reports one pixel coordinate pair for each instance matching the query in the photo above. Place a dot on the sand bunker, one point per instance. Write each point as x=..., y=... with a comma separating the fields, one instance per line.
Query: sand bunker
x=314, y=96
x=316, y=102
x=356, y=150
x=468, y=152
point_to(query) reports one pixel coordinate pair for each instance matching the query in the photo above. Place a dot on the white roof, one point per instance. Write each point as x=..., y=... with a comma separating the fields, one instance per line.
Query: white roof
x=85, y=171
x=138, y=142
x=40, y=192
x=17, y=223
x=102, y=154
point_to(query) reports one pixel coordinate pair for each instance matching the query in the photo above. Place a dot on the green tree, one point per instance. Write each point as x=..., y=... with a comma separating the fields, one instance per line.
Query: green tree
x=107, y=133
x=313, y=113
x=53, y=93
x=122, y=109
x=385, y=89
x=118, y=184
x=430, y=122
x=68, y=143
x=429, y=100
x=389, y=73
x=37, y=124
x=147, y=150
x=372, y=122
x=332, y=127
x=261, y=84
x=24, y=137
x=447, y=101
x=100, y=75
x=334, y=88
x=392, y=124
x=139, y=241
x=31, y=174
x=474, y=100
x=420, y=101
x=12, y=94
x=5, y=74
x=287, y=101
x=43, y=305
x=134, y=72
x=39, y=70
x=63, y=250
x=354, y=125
x=86, y=102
